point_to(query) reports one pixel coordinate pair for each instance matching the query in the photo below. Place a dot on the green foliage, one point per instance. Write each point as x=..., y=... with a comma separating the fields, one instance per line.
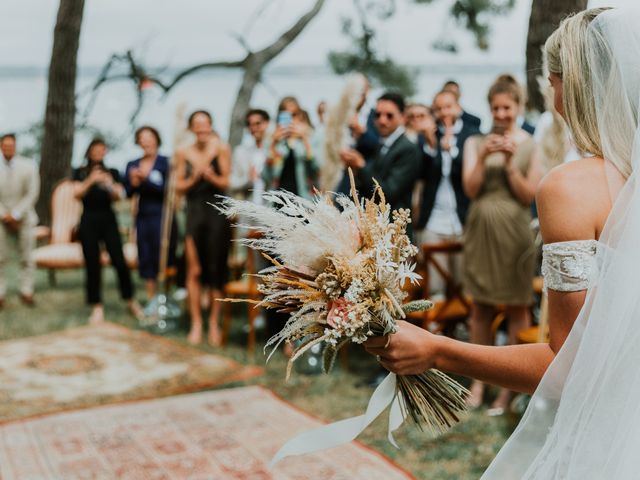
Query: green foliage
x=473, y=14
x=365, y=57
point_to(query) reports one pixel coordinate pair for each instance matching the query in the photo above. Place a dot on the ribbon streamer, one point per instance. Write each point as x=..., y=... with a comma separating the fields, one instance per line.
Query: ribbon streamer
x=345, y=431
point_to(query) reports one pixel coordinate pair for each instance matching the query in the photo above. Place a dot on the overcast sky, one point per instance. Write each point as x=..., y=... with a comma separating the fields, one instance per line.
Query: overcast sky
x=180, y=32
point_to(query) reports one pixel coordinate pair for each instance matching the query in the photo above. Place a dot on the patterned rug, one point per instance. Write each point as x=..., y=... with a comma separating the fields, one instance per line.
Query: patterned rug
x=95, y=365
x=224, y=434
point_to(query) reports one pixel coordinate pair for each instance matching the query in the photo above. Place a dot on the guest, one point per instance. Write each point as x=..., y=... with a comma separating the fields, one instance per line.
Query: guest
x=363, y=126
x=250, y=157
x=291, y=163
x=98, y=187
x=365, y=138
x=19, y=190
x=444, y=205
x=417, y=114
x=321, y=111
x=203, y=173
x=468, y=118
x=319, y=134
x=396, y=164
x=146, y=178
x=500, y=174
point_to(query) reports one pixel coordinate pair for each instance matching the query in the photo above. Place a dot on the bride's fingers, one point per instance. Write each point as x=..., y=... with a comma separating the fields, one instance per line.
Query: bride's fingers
x=375, y=342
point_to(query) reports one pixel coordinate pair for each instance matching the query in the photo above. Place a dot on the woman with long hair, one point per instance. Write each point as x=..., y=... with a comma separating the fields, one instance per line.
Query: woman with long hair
x=291, y=164
x=500, y=174
x=581, y=422
x=99, y=187
x=203, y=171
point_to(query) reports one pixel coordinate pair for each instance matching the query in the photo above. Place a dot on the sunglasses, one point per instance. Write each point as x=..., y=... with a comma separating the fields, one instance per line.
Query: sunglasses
x=387, y=115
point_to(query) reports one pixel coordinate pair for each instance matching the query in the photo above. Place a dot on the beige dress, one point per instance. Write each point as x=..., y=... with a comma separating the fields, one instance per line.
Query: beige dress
x=499, y=250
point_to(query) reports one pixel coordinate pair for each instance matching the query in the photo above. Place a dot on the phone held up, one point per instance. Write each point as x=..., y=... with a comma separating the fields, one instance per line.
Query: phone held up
x=498, y=129
x=284, y=119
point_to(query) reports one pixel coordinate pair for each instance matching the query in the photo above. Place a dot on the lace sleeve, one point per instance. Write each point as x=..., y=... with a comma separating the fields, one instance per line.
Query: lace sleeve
x=568, y=266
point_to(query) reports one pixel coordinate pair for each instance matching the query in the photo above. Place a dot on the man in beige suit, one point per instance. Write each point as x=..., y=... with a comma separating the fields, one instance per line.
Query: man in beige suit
x=19, y=189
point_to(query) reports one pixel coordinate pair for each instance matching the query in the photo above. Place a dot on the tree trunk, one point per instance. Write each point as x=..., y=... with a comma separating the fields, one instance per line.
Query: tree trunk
x=253, y=65
x=250, y=79
x=59, y=120
x=544, y=19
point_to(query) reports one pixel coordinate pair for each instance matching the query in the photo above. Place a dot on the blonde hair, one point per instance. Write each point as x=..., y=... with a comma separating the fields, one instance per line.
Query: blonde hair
x=554, y=141
x=567, y=55
x=506, y=83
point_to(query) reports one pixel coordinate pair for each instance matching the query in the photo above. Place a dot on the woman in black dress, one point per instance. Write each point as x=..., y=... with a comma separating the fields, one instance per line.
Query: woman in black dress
x=203, y=172
x=98, y=187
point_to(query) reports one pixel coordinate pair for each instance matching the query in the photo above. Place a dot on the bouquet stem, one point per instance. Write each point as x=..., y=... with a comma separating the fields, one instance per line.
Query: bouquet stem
x=432, y=400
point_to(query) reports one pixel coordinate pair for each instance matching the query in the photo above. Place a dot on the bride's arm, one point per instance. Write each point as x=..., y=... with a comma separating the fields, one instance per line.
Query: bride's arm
x=518, y=367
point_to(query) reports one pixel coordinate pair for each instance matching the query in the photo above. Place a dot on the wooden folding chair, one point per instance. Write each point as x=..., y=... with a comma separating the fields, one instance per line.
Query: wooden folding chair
x=455, y=307
x=245, y=288
x=538, y=333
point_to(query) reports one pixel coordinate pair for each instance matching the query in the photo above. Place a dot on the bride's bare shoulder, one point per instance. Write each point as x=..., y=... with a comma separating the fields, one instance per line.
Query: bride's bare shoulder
x=572, y=199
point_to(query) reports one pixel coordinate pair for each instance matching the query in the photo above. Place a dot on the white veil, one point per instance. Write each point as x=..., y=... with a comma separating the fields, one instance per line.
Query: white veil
x=583, y=422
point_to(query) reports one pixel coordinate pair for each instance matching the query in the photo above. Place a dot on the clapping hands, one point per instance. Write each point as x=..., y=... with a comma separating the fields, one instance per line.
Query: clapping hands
x=100, y=177
x=352, y=158
x=135, y=177
x=500, y=143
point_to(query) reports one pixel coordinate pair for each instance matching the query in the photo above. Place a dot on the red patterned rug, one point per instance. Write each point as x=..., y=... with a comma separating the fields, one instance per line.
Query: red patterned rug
x=95, y=365
x=224, y=434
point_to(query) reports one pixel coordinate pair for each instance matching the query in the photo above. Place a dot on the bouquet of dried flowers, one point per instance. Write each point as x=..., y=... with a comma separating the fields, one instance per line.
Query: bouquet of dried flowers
x=339, y=273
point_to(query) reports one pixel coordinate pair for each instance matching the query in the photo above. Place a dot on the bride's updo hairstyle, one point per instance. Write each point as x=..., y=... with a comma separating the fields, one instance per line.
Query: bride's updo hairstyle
x=569, y=54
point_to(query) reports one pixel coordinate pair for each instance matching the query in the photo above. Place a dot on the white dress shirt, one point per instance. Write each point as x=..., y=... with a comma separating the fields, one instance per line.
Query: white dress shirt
x=444, y=218
x=387, y=142
x=246, y=157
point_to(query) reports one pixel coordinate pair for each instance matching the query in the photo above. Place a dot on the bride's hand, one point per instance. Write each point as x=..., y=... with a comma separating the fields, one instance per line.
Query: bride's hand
x=409, y=351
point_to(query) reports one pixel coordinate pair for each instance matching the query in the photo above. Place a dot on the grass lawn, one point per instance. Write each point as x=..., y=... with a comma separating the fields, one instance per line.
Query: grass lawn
x=463, y=453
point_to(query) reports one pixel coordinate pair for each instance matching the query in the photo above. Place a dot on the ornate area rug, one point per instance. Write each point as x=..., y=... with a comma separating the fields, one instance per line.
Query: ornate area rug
x=95, y=365
x=224, y=434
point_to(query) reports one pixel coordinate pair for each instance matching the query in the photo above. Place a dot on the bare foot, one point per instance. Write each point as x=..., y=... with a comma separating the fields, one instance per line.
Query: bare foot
x=501, y=403
x=97, y=315
x=135, y=310
x=474, y=400
x=214, y=337
x=195, y=334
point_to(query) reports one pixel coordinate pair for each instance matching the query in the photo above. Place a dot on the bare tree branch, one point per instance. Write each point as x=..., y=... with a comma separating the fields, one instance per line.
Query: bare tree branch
x=252, y=64
x=290, y=35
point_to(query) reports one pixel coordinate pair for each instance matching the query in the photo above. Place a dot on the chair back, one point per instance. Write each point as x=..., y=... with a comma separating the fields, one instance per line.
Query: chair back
x=455, y=307
x=65, y=212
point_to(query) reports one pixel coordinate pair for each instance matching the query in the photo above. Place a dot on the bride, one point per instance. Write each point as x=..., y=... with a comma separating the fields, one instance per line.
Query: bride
x=583, y=421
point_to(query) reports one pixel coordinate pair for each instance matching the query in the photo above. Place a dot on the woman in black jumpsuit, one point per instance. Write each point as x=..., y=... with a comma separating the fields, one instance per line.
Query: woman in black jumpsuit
x=98, y=187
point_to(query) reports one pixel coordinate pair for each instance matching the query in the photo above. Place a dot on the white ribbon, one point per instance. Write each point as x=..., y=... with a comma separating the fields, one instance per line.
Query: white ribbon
x=345, y=431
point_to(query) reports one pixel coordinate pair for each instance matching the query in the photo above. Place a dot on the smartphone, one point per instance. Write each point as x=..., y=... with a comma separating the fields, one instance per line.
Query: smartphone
x=498, y=129
x=284, y=119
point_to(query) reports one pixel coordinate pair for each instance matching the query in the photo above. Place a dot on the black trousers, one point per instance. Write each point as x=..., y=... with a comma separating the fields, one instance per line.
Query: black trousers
x=96, y=229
